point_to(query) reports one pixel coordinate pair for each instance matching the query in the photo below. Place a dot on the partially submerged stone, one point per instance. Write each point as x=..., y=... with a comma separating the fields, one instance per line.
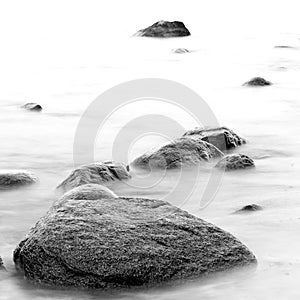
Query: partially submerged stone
x=164, y=29
x=32, y=106
x=249, y=208
x=124, y=243
x=10, y=178
x=221, y=137
x=179, y=153
x=235, y=162
x=180, y=51
x=97, y=173
x=2, y=268
x=257, y=81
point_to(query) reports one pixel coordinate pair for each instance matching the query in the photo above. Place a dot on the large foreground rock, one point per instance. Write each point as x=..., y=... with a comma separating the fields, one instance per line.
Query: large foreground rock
x=179, y=153
x=164, y=29
x=222, y=137
x=97, y=173
x=11, y=178
x=32, y=106
x=257, y=81
x=124, y=242
x=235, y=162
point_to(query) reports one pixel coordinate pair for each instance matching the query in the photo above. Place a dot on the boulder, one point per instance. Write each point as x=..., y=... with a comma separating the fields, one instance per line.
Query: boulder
x=124, y=243
x=221, y=137
x=257, y=81
x=235, y=162
x=10, y=178
x=164, y=29
x=249, y=208
x=97, y=173
x=32, y=106
x=180, y=51
x=179, y=153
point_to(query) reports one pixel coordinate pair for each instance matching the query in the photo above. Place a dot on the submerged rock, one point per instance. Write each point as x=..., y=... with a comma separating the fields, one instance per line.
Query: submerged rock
x=179, y=153
x=124, y=242
x=98, y=173
x=15, y=178
x=222, y=137
x=235, y=162
x=257, y=81
x=32, y=107
x=180, y=50
x=165, y=29
x=249, y=208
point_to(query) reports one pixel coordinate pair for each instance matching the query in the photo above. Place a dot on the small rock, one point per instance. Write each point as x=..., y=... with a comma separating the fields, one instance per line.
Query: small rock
x=221, y=137
x=1, y=264
x=235, y=162
x=181, y=152
x=180, y=50
x=249, y=208
x=164, y=29
x=89, y=192
x=124, y=243
x=97, y=173
x=284, y=47
x=32, y=107
x=16, y=178
x=257, y=81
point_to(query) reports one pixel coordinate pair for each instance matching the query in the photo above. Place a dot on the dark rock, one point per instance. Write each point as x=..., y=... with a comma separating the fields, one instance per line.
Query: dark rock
x=15, y=178
x=235, y=162
x=1, y=264
x=221, y=137
x=165, y=29
x=124, y=242
x=32, y=107
x=257, y=81
x=284, y=47
x=98, y=173
x=180, y=51
x=179, y=153
x=249, y=208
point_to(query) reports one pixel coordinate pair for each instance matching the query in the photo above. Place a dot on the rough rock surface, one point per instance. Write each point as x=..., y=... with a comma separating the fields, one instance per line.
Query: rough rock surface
x=249, y=208
x=235, y=162
x=97, y=173
x=165, y=29
x=179, y=153
x=257, y=81
x=32, y=106
x=180, y=50
x=124, y=242
x=222, y=137
x=15, y=178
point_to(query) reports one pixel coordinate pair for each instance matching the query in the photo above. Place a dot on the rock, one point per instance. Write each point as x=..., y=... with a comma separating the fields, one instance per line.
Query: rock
x=180, y=50
x=123, y=243
x=15, y=178
x=32, y=107
x=284, y=47
x=222, y=137
x=179, y=153
x=235, y=162
x=89, y=192
x=98, y=173
x=1, y=264
x=165, y=29
x=249, y=208
x=257, y=81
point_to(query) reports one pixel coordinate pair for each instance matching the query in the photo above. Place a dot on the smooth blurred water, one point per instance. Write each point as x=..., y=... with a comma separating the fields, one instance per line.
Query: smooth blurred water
x=63, y=55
